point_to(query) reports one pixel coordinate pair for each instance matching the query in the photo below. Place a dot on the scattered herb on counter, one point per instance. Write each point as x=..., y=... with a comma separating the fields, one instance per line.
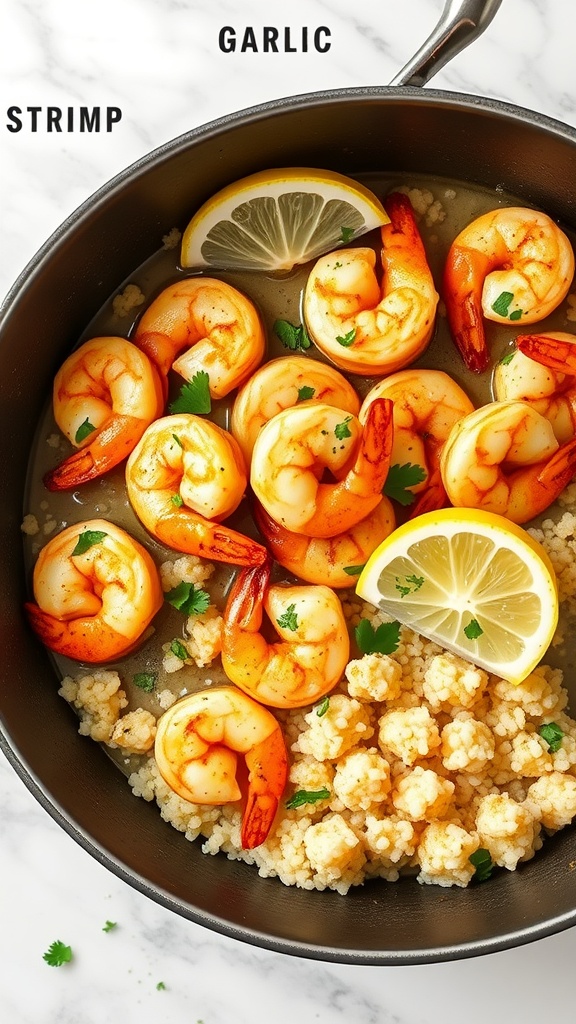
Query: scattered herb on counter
x=353, y=570
x=305, y=392
x=473, y=630
x=305, y=796
x=346, y=339
x=289, y=620
x=188, y=599
x=412, y=584
x=87, y=539
x=323, y=707
x=346, y=234
x=552, y=734
x=292, y=336
x=177, y=648
x=400, y=479
x=483, y=864
x=57, y=954
x=144, y=681
x=194, y=395
x=160, y=987
x=109, y=926
x=84, y=430
x=382, y=640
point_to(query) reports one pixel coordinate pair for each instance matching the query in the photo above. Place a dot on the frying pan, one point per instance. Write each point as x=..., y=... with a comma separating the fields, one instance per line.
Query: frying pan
x=401, y=129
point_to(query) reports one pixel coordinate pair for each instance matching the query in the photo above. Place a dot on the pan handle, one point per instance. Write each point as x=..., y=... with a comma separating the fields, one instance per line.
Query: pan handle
x=460, y=23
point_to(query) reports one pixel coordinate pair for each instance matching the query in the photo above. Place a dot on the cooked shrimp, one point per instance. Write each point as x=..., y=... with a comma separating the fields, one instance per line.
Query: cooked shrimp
x=96, y=591
x=297, y=445
x=280, y=384
x=542, y=371
x=504, y=458
x=508, y=265
x=217, y=325
x=335, y=561
x=426, y=405
x=196, y=749
x=184, y=476
x=308, y=660
x=364, y=326
x=105, y=395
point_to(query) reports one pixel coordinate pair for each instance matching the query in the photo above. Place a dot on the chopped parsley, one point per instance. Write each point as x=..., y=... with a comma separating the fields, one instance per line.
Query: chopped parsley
x=144, y=681
x=323, y=707
x=292, y=336
x=552, y=734
x=84, y=430
x=508, y=357
x=353, y=570
x=178, y=441
x=109, y=926
x=194, y=395
x=473, y=630
x=400, y=479
x=289, y=620
x=382, y=640
x=346, y=339
x=483, y=863
x=57, y=954
x=346, y=234
x=160, y=987
x=87, y=539
x=306, y=796
x=412, y=584
x=177, y=648
x=305, y=392
x=188, y=599
x=177, y=500
x=502, y=306
x=342, y=430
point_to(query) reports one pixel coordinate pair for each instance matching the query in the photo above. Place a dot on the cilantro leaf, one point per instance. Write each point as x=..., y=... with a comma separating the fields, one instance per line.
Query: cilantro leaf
x=305, y=392
x=305, y=796
x=109, y=926
x=383, y=640
x=84, y=430
x=177, y=500
x=353, y=570
x=144, y=681
x=323, y=707
x=515, y=314
x=552, y=734
x=508, y=357
x=160, y=987
x=473, y=630
x=342, y=430
x=502, y=303
x=400, y=478
x=87, y=539
x=292, y=336
x=188, y=599
x=194, y=395
x=346, y=234
x=57, y=954
x=289, y=620
x=346, y=339
x=177, y=648
x=412, y=584
x=483, y=863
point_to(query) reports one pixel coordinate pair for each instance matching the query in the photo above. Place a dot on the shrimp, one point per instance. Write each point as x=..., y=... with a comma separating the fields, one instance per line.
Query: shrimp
x=426, y=405
x=504, y=458
x=105, y=395
x=335, y=561
x=366, y=327
x=96, y=591
x=280, y=384
x=511, y=264
x=197, y=744
x=313, y=651
x=541, y=370
x=295, y=447
x=217, y=325
x=184, y=476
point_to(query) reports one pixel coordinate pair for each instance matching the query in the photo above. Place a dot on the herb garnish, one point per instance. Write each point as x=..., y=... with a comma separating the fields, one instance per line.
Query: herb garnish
x=144, y=681
x=502, y=305
x=342, y=430
x=194, y=395
x=323, y=707
x=400, y=479
x=289, y=620
x=305, y=392
x=508, y=357
x=57, y=954
x=412, y=584
x=305, y=796
x=109, y=926
x=84, y=430
x=353, y=570
x=346, y=234
x=347, y=339
x=87, y=539
x=177, y=500
x=473, y=630
x=188, y=599
x=292, y=336
x=383, y=640
x=552, y=734
x=483, y=863
x=177, y=648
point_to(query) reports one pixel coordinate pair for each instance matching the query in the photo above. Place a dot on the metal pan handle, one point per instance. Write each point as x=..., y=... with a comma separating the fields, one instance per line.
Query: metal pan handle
x=460, y=23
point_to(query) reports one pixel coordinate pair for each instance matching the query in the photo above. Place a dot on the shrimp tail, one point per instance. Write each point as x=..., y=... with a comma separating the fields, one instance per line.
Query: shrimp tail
x=110, y=447
x=245, y=603
x=87, y=640
x=373, y=459
x=198, y=536
x=559, y=470
x=558, y=355
x=268, y=769
x=432, y=499
x=160, y=350
x=462, y=290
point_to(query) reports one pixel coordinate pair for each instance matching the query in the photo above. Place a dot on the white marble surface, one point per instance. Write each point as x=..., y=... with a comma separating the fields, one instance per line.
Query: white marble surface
x=158, y=60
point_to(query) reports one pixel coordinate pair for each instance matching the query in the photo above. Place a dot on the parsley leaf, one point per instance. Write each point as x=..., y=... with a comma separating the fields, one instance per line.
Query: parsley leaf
x=502, y=303
x=188, y=599
x=194, y=395
x=346, y=234
x=87, y=539
x=177, y=648
x=383, y=640
x=353, y=570
x=323, y=707
x=177, y=500
x=347, y=339
x=552, y=734
x=178, y=441
x=413, y=583
x=400, y=478
x=292, y=336
x=109, y=926
x=342, y=430
x=306, y=796
x=160, y=987
x=57, y=954
x=508, y=357
x=483, y=863
x=305, y=392
x=515, y=314
x=144, y=681
x=289, y=620
x=84, y=430
x=473, y=630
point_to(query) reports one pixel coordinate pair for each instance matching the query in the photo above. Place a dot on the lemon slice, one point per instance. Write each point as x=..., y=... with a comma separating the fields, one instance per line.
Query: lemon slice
x=473, y=582
x=276, y=219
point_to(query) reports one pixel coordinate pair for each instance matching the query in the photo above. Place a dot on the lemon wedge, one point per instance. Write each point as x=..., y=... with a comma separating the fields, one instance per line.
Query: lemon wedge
x=472, y=581
x=276, y=219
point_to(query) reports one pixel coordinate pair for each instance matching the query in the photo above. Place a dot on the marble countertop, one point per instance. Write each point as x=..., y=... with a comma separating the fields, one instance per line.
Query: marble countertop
x=160, y=63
